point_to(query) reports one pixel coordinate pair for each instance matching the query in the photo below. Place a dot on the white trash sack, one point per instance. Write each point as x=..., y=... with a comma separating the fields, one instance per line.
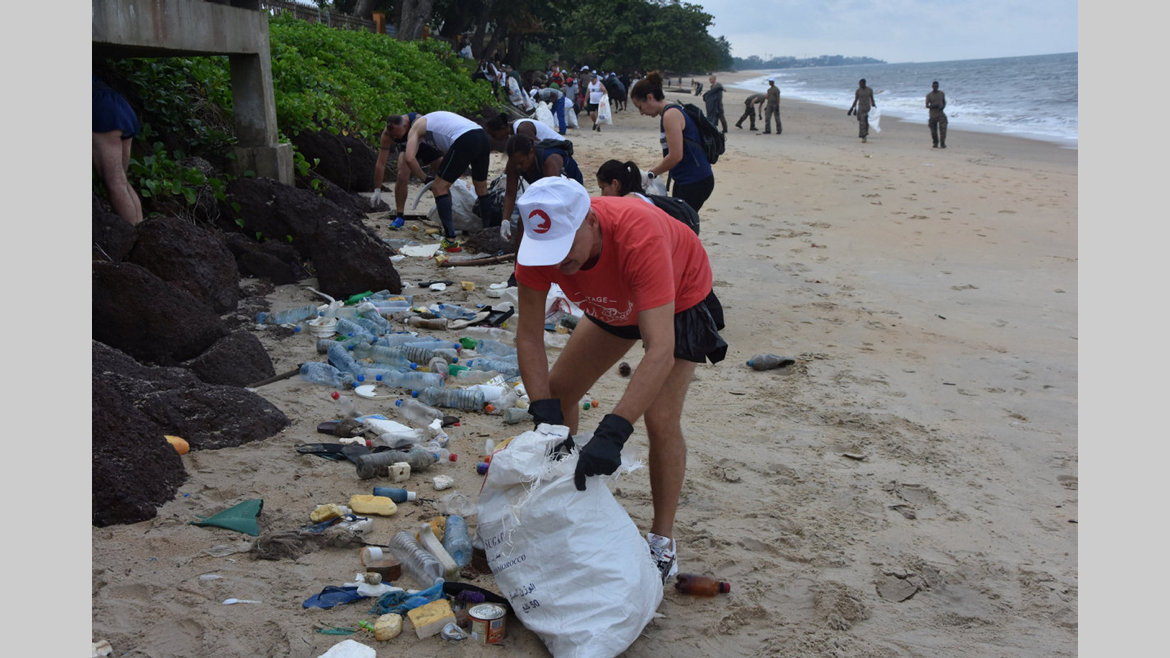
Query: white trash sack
x=544, y=115
x=572, y=564
x=463, y=216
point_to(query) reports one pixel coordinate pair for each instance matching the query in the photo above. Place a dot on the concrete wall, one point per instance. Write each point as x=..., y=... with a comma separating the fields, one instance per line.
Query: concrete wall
x=163, y=28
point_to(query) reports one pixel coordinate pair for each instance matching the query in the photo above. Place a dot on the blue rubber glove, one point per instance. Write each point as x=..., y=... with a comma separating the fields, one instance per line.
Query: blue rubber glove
x=548, y=411
x=603, y=454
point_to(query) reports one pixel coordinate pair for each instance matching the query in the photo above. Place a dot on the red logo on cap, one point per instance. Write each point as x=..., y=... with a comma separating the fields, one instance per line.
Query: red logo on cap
x=544, y=225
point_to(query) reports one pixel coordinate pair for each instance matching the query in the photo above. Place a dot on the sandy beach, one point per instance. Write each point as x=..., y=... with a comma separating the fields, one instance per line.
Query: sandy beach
x=909, y=489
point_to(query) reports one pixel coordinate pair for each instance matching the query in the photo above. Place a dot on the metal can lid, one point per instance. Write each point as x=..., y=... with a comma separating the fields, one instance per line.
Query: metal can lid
x=487, y=611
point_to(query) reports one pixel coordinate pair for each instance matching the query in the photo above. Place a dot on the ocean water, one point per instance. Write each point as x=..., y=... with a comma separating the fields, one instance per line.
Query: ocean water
x=1034, y=97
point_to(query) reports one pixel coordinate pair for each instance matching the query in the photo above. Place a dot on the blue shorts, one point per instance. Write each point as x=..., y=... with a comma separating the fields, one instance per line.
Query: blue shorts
x=112, y=112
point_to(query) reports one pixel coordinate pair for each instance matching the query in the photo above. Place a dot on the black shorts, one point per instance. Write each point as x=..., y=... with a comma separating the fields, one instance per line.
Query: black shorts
x=592, y=107
x=696, y=331
x=473, y=148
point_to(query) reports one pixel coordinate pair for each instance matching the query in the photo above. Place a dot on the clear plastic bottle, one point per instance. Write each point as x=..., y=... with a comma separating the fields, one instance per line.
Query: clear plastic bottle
x=381, y=355
x=513, y=415
x=504, y=367
x=347, y=327
x=468, y=377
x=324, y=373
x=413, y=380
x=290, y=316
x=457, y=540
x=497, y=333
x=417, y=562
x=689, y=583
x=452, y=312
x=395, y=494
x=345, y=406
x=378, y=463
x=452, y=398
x=418, y=413
x=491, y=346
x=769, y=361
x=343, y=360
x=396, y=339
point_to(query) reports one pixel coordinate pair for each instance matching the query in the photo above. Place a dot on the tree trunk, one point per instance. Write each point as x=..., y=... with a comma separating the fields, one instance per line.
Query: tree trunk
x=365, y=8
x=481, y=22
x=415, y=15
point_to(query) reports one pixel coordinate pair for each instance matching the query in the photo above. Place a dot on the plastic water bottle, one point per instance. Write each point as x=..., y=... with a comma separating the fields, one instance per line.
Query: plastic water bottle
x=452, y=312
x=396, y=339
x=347, y=327
x=414, y=380
x=417, y=562
x=456, y=540
x=324, y=373
x=479, y=331
x=381, y=355
x=452, y=398
x=395, y=494
x=468, y=377
x=492, y=346
x=417, y=412
x=689, y=583
x=377, y=463
x=345, y=406
x=290, y=316
x=506, y=368
x=374, y=323
x=343, y=360
x=770, y=361
x=513, y=415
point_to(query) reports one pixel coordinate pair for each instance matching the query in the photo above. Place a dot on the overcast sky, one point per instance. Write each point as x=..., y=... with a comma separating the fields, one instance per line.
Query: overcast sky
x=894, y=30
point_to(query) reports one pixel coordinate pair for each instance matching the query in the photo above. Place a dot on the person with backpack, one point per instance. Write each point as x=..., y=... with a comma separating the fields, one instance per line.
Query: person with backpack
x=625, y=179
x=532, y=160
x=683, y=155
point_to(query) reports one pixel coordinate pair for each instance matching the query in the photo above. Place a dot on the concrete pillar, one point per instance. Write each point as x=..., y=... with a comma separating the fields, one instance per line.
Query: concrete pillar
x=162, y=28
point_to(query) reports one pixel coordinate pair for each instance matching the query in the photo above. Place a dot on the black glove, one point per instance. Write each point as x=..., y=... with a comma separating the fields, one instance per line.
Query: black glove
x=562, y=449
x=603, y=454
x=548, y=411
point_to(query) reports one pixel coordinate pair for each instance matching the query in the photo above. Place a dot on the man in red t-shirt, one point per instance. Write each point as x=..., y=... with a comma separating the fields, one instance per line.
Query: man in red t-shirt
x=638, y=274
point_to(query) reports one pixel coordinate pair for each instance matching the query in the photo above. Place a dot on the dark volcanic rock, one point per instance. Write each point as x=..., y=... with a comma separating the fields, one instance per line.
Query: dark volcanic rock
x=208, y=416
x=237, y=359
x=189, y=257
x=348, y=257
x=343, y=159
x=112, y=236
x=149, y=319
x=273, y=261
x=134, y=468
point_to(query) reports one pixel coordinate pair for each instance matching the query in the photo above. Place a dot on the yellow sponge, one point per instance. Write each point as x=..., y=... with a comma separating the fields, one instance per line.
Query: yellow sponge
x=368, y=504
x=431, y=618
x=325, y=512
x=387, y=627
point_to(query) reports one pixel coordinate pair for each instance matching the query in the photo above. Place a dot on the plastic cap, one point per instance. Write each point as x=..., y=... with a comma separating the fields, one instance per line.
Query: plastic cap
x=335, y=395
x=724, y=587
x=412, y=495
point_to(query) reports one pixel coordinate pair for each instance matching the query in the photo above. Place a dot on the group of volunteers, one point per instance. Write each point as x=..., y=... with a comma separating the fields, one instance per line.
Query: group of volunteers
x=637, y=273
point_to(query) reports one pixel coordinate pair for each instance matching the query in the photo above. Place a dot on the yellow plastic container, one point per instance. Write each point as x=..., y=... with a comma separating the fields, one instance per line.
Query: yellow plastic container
x=369, y=504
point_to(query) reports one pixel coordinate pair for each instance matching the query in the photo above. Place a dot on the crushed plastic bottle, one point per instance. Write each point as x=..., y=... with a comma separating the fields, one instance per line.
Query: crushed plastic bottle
x=770, y=362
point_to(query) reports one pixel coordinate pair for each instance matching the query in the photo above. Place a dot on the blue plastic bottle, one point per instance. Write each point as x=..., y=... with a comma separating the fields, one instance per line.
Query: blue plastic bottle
x=456, y=540
x=395, y=494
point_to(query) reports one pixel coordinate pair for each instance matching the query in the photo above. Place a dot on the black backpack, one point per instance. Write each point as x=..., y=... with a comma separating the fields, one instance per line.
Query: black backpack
x=711, y=139
x=678, y=209
x=550, y=143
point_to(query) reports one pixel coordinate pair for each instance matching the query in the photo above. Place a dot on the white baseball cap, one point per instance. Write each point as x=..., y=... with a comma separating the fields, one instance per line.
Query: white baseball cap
x=552, y=208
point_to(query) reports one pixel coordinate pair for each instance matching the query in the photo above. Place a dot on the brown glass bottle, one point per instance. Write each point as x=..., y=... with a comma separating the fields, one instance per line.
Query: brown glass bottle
x=690, y=583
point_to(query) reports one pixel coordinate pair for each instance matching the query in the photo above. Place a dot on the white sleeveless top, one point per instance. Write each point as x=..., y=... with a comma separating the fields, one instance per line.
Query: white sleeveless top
x=542, y=129
x=446, y=127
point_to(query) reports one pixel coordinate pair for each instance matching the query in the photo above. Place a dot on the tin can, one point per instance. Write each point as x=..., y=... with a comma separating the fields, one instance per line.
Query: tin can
x=488, y=623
